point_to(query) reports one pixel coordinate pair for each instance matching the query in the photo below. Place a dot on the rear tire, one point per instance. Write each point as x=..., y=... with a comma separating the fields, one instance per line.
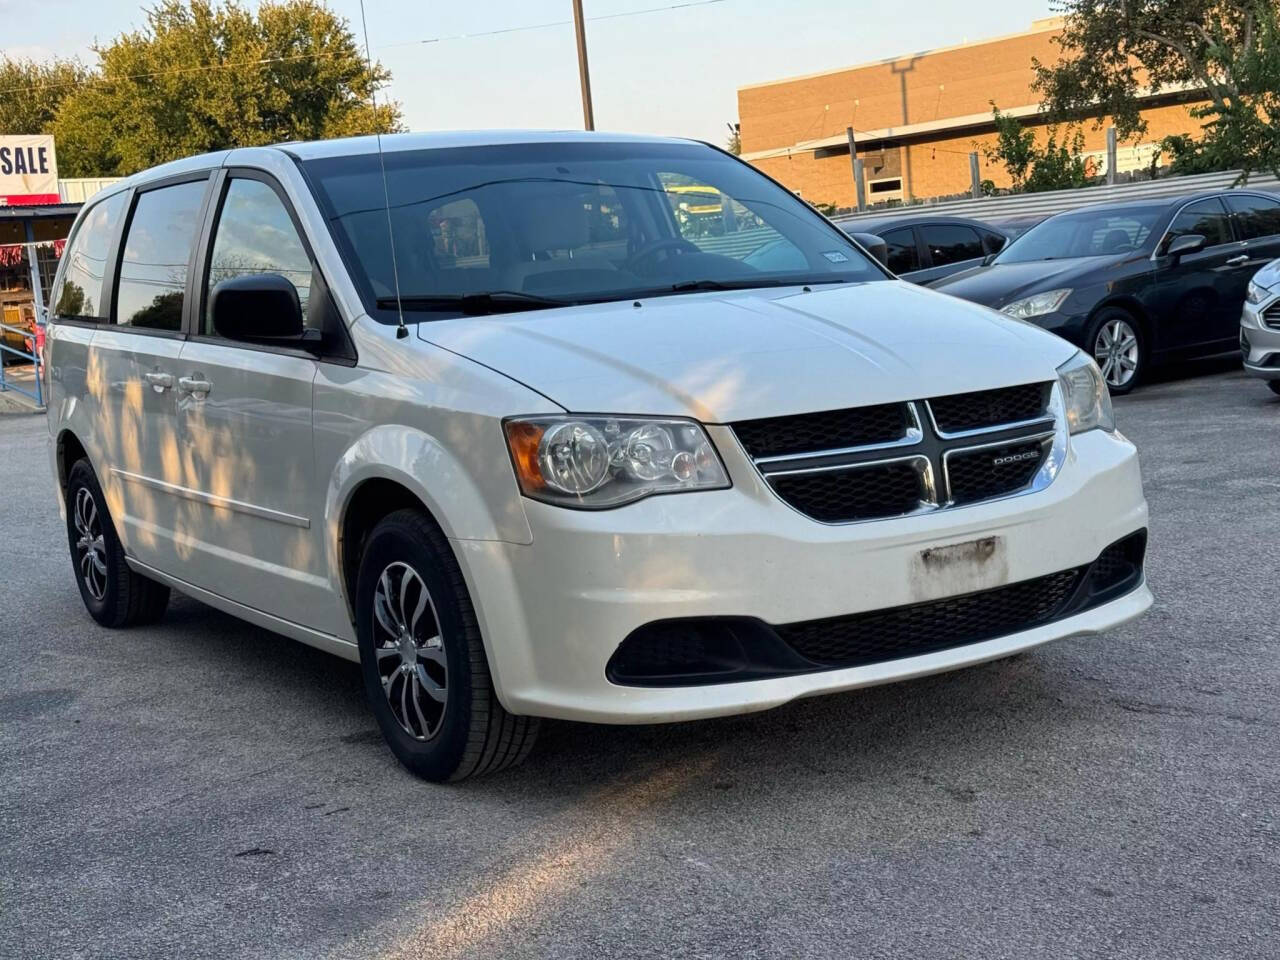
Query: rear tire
x=425, y=670
x=113, y=594
x=1117, y=345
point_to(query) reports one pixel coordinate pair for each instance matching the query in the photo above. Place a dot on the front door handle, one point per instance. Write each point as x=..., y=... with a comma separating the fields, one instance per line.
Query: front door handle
x=194, y=386
x=160, y=382
x=1236, y=261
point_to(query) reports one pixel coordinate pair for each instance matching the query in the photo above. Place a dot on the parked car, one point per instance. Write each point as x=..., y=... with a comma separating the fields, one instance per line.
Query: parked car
x=923, y=248
x=1260, y=326
x=1137, y=283
x=490, y=425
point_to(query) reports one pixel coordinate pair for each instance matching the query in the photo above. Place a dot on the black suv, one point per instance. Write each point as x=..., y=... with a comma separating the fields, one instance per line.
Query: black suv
x=1135, y=283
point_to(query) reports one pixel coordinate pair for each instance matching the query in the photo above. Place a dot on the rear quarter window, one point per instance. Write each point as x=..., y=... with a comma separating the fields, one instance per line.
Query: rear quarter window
x=79, y=295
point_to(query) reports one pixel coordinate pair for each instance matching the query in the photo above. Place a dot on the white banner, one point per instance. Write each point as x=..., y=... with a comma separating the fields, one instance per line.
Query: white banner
x=28, y=170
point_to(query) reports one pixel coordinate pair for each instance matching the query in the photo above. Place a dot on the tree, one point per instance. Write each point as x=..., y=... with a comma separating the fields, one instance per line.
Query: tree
x=201, y=77
x=31, y=92
x=1055, y=166
x=1116, y=50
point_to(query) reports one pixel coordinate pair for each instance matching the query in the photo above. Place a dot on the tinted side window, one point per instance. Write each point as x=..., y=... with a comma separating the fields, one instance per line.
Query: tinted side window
x=1255, y=216
x=256, y=235
x=903, y=256
x=993, y=242
x=153, y=267
x=81, y=293
x=951, y=243
x=1205, y=217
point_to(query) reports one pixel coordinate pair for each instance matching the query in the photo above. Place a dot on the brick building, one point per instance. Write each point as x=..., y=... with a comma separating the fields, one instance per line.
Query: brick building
x=917, y=118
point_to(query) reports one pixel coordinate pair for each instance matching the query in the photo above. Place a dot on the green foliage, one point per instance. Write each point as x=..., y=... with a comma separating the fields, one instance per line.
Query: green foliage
x=1055, y=166
x=1114, y=51
x=200, y=77
x=31, y=92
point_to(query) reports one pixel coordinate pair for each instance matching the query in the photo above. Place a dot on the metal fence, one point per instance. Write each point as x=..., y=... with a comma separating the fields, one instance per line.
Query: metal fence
x=42, y=269
x=1056, y=201
x=8, y=383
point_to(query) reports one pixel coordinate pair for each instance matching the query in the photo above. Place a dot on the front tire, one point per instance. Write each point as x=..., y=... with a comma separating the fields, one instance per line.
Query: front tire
x=113, y=594
x=1117, y=345
x=1274, y=385
x=423, y=660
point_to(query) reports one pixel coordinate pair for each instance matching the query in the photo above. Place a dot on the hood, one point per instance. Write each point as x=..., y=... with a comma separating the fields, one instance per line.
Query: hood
x=997, y=284
x=720, y=357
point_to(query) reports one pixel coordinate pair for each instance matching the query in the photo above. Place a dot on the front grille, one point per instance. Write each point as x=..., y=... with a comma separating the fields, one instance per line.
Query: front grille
x=1271, y=317
x=987, y=472
x=971, y=411
x=926, y=627
x=883, y=490
x=867, y=463
x=830, y=430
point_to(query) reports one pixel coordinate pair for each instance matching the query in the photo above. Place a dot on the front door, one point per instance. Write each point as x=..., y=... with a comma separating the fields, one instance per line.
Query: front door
x=1197, y=297
x=255, y=520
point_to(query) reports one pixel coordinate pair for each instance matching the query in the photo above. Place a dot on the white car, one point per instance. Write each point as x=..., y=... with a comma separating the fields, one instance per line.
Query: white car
x=499, y=426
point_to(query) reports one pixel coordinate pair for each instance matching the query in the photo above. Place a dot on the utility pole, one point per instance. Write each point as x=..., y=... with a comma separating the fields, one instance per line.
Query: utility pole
x=1112, y=155
x=579, y=27
x=858, y=185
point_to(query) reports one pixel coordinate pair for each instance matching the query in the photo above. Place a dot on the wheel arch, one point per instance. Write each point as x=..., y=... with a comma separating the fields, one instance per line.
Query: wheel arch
x=67, y=450
x=393, y=467
x=1131, y=306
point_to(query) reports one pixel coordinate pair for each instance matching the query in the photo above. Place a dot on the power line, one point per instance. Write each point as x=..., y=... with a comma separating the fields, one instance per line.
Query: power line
x=263, y=61
x=554, y=23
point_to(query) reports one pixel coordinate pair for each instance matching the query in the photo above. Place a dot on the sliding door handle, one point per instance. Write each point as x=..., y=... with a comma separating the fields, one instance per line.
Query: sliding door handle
x=1236, y=261
x=160, y=382
x=194, y=386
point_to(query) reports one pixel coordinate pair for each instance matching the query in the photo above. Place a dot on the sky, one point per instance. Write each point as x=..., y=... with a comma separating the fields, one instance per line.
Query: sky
x=673, y=72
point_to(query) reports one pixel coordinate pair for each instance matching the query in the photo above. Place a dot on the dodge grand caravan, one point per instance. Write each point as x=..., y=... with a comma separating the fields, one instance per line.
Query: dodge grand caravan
x=474, y=411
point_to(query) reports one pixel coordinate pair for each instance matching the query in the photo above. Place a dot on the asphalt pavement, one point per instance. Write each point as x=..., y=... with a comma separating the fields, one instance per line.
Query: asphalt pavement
x=203, y=788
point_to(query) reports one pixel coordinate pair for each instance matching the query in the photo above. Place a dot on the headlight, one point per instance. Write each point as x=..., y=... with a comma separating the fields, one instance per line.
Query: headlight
x=1256, y=293
x=1036, y=306
x=1085, y=397
x=596, y=462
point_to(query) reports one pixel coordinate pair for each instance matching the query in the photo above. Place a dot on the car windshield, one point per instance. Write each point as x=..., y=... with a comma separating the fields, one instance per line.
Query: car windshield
x=526, y=226
x=1088, y=233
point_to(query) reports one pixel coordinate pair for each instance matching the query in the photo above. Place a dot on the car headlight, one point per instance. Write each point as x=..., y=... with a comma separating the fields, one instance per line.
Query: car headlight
x=1085, y=397
x=597, y=462
x=1256, y=293
x=1037, y=305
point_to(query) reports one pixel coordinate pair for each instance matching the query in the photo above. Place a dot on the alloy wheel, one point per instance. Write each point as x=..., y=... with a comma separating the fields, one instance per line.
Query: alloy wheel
x=1116, y=351
x=409, y=646
x=91, y=552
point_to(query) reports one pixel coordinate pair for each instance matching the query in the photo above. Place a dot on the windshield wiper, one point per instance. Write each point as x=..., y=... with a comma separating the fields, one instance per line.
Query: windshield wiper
x=473, y=304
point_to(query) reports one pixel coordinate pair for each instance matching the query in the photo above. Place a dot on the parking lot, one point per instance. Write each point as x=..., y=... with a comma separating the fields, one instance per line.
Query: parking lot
x=203, y=788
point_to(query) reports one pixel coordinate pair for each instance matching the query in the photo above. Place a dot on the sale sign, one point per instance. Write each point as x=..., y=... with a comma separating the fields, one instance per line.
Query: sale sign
x=28, y=171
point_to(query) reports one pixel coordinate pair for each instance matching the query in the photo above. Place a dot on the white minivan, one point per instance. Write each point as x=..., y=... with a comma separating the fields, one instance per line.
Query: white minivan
x=601, y=428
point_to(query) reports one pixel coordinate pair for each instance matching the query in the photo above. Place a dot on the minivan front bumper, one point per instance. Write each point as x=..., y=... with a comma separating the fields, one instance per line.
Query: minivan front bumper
x=554, y=612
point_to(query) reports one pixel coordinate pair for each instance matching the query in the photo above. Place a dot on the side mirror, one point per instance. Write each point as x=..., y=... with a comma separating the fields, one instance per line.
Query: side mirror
x=988, y=259
x=874, y=245
x=1187, y=243
x=261, y=308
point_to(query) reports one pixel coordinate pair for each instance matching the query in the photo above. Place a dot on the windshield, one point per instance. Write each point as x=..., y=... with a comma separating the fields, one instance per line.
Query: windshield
x=524, y=226
x=1089, y=233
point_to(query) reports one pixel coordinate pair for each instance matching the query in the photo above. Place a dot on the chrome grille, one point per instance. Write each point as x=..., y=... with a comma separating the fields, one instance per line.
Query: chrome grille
x=1271, y=317
x=891, y=460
